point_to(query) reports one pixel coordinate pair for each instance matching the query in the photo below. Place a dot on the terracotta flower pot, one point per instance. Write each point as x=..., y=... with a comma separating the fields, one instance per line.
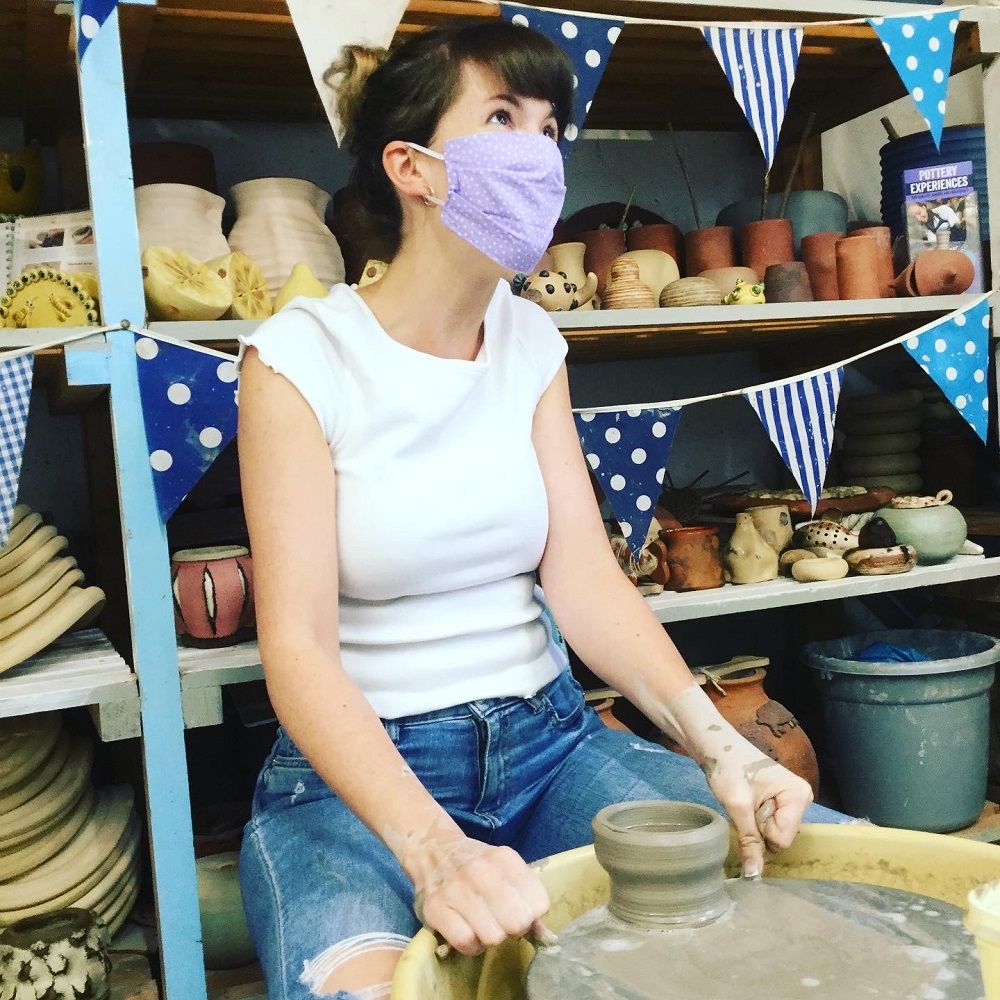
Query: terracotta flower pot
x=943, y=272
x=709, y=249
x=213, y=595
x=768, y=725
x=663, y=236
x=787, y=283
x=767, y=242
x=858, y=274
x=819, y=252
x=887, y=273
x=604, y=247
x=694, y=558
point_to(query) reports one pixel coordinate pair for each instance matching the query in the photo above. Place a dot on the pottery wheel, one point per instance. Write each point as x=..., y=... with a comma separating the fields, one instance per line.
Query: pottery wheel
x=783, y=939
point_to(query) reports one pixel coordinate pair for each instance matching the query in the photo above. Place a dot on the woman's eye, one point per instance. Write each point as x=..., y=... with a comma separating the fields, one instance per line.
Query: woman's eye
x=552, y=132
x=501, y=118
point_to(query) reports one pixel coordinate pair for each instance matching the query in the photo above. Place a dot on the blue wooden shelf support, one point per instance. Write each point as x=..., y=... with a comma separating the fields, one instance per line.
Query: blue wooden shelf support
x=147, y=563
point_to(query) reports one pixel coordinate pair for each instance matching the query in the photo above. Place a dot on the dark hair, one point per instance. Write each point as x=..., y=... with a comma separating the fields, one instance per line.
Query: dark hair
x=406, y=96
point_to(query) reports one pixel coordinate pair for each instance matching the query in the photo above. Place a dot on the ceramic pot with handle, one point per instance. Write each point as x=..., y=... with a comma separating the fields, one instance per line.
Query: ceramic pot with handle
x=935, y=528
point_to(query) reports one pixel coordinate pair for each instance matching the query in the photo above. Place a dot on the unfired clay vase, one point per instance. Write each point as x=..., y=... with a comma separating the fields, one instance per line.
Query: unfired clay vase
x=625, y=290
x=788, y=283
x=943, y=272
x=213, y=595
x=604, y=247
x=768, y=725
x=725, y=278
x=709, y=249
x=656, y=269
x=693, y=558
x=774, y=523
x=858, y=273
x=882, y=235
x=183, y=218
x=819, y=253
x=690, y=292
x=767, y=242
x=567, y=258
x=747, y=557
x=280, y=223
x=663, y=236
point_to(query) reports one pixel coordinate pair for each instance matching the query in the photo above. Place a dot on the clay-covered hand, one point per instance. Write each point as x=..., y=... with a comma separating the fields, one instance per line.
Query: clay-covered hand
x=764, y=800
x=474, y=895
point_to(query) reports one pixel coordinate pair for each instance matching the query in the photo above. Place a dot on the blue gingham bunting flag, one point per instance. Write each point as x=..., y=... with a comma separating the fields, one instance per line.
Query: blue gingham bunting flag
x=587, y=40
x=956, y=353
x=798, y=416
x=628, y=451
x=760, y=65
x=189, y=411
x=93, y=14
x=920, y=46
x=15, y=400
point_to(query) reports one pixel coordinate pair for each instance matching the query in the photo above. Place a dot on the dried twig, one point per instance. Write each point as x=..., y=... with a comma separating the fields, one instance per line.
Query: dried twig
x=687, y=179
x=803, y=142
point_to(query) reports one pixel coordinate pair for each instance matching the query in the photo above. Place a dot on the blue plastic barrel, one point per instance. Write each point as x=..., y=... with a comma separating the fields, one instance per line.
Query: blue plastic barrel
x=958, y=143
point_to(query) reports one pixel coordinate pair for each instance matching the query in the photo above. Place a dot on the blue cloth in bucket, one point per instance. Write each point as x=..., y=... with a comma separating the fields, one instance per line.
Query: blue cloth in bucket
x=883, y=652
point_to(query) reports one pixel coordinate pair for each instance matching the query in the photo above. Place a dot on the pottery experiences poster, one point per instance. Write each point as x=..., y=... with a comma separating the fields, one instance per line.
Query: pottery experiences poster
x=942, y=211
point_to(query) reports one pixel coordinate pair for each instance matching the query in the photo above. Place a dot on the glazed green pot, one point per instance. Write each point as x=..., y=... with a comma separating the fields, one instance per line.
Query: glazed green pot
x=937, y=533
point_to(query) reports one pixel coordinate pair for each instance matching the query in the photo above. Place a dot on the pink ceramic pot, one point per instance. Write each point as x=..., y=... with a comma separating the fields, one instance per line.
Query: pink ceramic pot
x=213, y=595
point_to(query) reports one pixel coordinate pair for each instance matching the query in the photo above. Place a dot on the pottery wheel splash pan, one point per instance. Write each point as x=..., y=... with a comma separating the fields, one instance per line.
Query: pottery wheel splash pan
x=675, y=929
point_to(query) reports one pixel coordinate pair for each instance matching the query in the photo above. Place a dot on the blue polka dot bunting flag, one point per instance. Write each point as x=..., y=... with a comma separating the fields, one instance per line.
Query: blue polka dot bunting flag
x=920, y=47
x=188, y=400
x=588, y=41
x=955, y=352
x=798, y=416
x=760, y=65
x=628, y=452
x=15, y=401
x=92, y=15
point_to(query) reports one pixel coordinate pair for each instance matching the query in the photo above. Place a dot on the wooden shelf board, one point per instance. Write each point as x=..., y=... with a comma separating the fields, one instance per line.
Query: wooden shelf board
x=732, y=599
x=241, y=60
x=624, y=334
x=80, y=669
x=204, y=672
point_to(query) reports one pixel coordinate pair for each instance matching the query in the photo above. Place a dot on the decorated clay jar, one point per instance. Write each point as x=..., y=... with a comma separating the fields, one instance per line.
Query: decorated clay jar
x=693, y=558
x=748, y=558
x=935, y=528
x=213, y=595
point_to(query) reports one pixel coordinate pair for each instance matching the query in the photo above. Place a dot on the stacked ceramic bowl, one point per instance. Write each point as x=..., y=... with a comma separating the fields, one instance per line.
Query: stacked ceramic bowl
x=883, y=441
x=41, y=592
x=61, y=843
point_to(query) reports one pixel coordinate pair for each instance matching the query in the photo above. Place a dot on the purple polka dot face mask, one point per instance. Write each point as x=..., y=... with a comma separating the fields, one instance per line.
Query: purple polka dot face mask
x=505, y=193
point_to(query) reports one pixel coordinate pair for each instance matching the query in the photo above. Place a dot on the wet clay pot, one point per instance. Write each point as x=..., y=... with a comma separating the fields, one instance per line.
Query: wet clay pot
x=819, y=253
x=943, y=272
x=694, y=558
x=788, y=283
x=858, y=273
x=709, y=249
x=213, y=595
x=663, y=236
x=882, y=235
x=774, y=522
x=604, y=247
x=767, y=242
x=766, y=724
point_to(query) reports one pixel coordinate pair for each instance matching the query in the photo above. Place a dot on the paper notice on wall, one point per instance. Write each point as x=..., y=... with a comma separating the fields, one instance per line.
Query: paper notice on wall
x=324, y=27
x=63, y=242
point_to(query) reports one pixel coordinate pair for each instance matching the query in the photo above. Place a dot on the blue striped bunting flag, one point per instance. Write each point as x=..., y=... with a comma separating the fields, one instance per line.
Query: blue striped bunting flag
x=760, y=65
x=798, y=416
x=15, y=400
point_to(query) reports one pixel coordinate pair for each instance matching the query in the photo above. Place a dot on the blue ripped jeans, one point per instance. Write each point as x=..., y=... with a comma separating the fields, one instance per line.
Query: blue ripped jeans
x=318, y=887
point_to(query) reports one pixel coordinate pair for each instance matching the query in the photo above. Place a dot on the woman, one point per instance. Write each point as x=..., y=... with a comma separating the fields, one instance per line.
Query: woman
x=409, y=461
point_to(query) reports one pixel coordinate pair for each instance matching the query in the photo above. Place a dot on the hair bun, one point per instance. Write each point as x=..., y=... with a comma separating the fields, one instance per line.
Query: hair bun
x=348, y=75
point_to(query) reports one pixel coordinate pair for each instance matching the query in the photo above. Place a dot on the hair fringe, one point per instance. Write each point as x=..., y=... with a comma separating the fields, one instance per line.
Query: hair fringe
x=348, y=75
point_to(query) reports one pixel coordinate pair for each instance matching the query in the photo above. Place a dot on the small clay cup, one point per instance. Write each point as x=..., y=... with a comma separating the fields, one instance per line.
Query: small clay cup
x=943, y=272
x=858, y=274
x=819, y=252
x=725, y=278
x=709, y=249
x=604, y=247
x=767, y=242
x=887, y=273
x=694, y=558
x=788, y=283
x=663, y=236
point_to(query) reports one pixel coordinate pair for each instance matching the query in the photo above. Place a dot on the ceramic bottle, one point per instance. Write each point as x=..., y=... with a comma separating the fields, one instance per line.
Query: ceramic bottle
x=748, y=558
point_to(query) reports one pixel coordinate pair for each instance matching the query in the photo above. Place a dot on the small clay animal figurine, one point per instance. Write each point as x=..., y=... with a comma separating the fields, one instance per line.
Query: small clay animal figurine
x=746, y=295
x=558, y=293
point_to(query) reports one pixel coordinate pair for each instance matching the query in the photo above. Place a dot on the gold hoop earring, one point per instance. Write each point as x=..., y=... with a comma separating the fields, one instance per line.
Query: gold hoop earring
x=427, y=198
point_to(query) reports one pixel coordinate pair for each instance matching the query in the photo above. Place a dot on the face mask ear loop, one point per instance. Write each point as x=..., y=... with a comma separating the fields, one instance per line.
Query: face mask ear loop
x=430, y=198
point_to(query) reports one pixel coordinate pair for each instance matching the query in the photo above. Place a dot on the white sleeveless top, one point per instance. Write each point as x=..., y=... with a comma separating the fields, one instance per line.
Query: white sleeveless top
x=441, y=508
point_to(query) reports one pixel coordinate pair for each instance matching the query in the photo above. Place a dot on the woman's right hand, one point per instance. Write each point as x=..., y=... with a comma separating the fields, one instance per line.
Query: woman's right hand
x=474, y=895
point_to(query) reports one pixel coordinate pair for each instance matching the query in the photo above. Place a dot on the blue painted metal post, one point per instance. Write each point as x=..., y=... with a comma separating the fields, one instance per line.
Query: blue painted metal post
x=147, y=566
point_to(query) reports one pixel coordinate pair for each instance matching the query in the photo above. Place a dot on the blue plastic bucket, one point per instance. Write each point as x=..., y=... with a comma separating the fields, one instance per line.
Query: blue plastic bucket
x=909, y=741
x=958, y=143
